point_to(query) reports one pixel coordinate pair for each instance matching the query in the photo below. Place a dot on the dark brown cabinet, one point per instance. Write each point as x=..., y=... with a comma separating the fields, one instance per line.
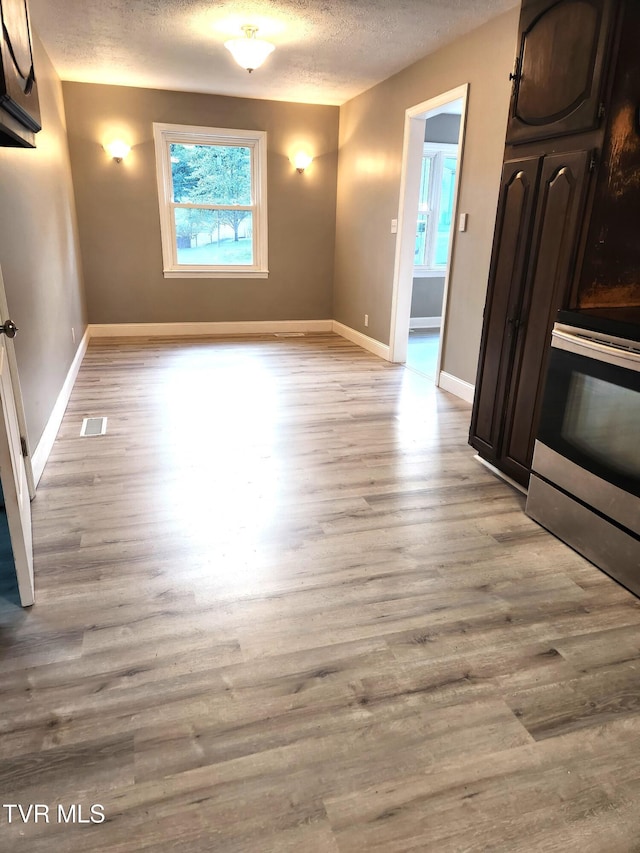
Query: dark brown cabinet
x=547, y=287
x=610, y=269
x=555, y=135
x=19, y=108
x=537, y=235
x=515, y=215
x=558, y=74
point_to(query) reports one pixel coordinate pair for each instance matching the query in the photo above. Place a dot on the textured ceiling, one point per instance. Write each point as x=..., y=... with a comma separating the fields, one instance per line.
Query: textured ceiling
x=327, y=51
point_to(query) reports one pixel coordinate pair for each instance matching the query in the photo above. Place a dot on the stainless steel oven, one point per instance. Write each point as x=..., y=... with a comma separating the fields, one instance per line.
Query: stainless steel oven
x=585, y=482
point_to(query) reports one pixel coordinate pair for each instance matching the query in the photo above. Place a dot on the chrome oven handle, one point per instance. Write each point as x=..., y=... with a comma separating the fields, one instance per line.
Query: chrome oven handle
x=594, y=349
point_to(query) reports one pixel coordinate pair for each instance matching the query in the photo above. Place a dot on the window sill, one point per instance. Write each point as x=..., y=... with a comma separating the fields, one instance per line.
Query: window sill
x=424, y=272
x=191, y=273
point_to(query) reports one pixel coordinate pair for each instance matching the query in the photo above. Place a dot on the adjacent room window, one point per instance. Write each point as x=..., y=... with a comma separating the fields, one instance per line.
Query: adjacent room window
x=212, y=187
x=435, y=207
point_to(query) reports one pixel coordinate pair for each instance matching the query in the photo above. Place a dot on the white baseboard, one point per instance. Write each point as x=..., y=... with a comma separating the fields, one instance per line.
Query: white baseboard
x=425, y=322
x=162, y=330
x=456, y=386
x=256, y=327
x=45, y=445
x=364, y=341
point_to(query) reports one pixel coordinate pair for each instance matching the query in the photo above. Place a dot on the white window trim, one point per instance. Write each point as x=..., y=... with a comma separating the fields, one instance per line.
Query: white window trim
x=164, y=135
x=421, y=271
x=431, y=149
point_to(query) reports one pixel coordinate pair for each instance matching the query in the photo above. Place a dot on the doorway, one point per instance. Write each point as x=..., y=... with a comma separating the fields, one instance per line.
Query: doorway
x=432, y=160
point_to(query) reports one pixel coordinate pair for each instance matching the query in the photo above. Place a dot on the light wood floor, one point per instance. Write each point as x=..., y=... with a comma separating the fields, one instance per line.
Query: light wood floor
x=422, y=351
x=281, y=608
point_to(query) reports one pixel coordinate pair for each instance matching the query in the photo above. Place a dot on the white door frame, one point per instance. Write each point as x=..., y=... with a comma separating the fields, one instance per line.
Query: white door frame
x=414, y=128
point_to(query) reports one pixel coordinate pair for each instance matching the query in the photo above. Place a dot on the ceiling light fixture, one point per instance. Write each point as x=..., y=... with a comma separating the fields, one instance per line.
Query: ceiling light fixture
x=249, y=52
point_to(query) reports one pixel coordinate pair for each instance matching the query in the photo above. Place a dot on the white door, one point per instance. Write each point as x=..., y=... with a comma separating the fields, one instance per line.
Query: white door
x=17, y=391
x=14, y=478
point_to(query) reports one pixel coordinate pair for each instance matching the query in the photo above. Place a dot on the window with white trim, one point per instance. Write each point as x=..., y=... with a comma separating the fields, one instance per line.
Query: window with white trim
x=212, y=188
x=435, y=207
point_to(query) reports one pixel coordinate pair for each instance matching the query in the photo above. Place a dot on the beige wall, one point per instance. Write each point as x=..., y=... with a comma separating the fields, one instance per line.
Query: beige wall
x=370, y=160
x=119, y=220
x=39, y=254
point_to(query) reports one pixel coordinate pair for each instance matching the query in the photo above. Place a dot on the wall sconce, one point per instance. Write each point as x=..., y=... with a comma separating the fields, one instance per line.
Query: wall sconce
x=302, y=161
x=249, y=52
x=117, y=149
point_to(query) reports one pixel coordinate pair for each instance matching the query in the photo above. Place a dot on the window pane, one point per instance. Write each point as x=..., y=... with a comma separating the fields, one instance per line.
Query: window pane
x=211, y=174
x=446, y=211
x=214, y=237
x=425, y=176
x=420, y=254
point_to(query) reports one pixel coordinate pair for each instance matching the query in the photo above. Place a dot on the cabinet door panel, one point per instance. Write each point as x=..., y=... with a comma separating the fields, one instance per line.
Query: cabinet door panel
x=610, y=272
x=557, y=227
x=559, y=68
x=511, y=242
x=19, y=109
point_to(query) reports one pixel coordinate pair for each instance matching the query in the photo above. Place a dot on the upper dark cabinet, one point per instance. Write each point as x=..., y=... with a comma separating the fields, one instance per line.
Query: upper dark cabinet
x=559, y=69
x=19, y=108
x=610, y=274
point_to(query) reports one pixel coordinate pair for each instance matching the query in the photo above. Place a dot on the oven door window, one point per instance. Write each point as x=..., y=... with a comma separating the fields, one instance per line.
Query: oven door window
x=591, y=414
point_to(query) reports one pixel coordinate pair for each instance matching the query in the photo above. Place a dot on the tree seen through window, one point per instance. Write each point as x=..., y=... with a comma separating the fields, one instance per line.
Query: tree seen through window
x=213, y=182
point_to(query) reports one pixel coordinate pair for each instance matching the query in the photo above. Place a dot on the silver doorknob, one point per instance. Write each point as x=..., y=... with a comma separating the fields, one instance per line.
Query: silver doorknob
x=9, y=329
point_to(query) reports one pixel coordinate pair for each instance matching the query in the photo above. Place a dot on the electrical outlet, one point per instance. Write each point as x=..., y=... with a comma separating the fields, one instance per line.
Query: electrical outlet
x=366, y=319
x=73, y=334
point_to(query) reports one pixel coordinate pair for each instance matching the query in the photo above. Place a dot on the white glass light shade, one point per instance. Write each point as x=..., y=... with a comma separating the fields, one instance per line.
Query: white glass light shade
x=117, y=149
x=302, y=160
x=249, y=52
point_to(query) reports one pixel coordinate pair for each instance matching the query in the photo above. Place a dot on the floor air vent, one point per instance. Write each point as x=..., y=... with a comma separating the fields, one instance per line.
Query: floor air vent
x=93, y=426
